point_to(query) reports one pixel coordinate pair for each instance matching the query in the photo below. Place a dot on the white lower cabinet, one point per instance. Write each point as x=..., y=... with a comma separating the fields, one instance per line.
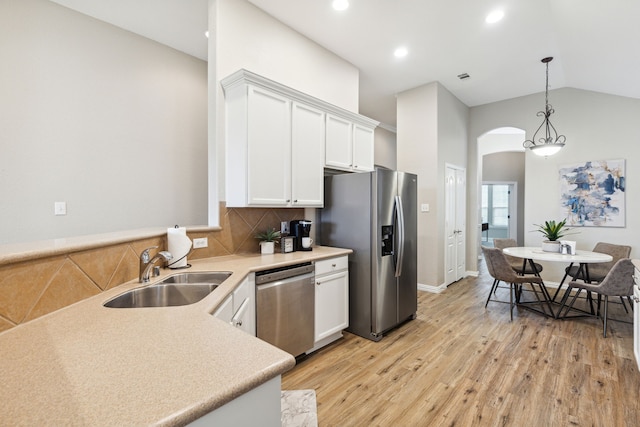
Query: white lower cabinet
x=331, y=300
x=239, y=309
x=636, y=316
x=263, y=400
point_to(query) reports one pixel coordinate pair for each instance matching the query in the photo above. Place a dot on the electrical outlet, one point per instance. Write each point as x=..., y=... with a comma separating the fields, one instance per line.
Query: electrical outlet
x=424, y=207
x=202, y=242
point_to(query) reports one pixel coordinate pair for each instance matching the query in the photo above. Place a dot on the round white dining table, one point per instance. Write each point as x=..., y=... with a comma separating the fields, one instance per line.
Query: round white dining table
x=584, y=258
x=537, y=254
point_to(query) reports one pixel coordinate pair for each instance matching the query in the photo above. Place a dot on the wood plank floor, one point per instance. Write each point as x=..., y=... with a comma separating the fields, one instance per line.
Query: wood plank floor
x=459, y=364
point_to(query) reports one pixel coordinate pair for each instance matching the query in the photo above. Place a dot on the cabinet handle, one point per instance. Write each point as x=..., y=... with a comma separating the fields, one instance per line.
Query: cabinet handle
x=333, y=265
x=238, y=323
x=288, y=200
x=318, y=283
x=636, y=299
x=295, y=201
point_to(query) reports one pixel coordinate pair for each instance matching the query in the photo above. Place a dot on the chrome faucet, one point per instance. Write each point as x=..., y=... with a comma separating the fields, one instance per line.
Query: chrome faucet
x=146, y=262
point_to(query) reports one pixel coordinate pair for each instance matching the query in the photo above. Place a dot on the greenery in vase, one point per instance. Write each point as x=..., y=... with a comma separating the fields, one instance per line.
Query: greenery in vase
x=553, y=231
x=269, y=235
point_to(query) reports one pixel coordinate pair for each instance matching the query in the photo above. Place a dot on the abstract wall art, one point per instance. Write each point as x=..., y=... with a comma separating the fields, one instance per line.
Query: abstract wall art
x=593, y=193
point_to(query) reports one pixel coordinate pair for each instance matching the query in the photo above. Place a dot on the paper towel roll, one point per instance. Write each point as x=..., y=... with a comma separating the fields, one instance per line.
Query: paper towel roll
x=179, y=245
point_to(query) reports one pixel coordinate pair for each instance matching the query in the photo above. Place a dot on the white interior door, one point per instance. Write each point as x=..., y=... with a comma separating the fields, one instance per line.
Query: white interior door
x=455, y=223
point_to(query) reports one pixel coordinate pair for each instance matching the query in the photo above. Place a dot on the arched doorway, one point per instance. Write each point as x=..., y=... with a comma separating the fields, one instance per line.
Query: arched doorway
x=501, y=203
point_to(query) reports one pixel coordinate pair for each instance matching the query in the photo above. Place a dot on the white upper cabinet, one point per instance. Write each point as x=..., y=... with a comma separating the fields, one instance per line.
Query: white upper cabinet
x=363, y=143
x=268, y=143
x=339, y=152
x=349, y=145
x=275, y=143
x=307, y=154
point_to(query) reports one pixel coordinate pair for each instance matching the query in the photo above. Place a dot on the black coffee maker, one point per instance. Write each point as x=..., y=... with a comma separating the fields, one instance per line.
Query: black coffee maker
x=300, y=229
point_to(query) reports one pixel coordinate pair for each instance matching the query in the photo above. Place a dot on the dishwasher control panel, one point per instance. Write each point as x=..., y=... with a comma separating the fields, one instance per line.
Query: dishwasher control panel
x=273, y=274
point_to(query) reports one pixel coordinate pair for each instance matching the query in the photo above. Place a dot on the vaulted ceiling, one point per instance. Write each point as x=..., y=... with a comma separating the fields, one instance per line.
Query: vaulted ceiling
x=595, y=44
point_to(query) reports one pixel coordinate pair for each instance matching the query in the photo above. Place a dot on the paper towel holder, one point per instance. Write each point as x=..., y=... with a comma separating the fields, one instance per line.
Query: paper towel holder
x=169, y=265
x=180, y=259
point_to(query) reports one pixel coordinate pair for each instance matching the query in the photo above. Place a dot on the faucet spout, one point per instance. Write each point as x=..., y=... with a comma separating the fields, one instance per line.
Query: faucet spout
x=147, y=263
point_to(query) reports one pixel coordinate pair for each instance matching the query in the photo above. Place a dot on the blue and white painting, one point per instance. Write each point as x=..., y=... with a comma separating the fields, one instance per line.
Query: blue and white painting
x=592, y=193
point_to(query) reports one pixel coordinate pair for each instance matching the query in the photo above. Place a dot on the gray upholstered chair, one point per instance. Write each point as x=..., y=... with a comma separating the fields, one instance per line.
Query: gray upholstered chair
x=618, y=282
x=500, y=269
x=598, y=271
x=516, y=263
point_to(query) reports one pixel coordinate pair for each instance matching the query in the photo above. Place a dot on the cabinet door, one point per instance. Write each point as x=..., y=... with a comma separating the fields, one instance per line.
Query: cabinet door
x=225, y=311
x=363, y=143
x=268, y=149
x=338, y=143
x=307, y=154
x=332, y=304
x=244, y=306
x=636, y=318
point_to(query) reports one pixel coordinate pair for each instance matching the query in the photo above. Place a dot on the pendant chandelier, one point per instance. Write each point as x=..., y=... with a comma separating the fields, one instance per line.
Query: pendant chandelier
x=551, y=142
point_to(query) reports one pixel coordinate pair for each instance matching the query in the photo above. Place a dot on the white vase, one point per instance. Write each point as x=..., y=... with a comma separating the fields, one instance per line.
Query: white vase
x=551, y=246
x=267, y=248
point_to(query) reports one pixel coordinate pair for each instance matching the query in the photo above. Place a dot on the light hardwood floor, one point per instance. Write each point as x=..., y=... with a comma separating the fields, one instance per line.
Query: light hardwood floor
x=459, y=364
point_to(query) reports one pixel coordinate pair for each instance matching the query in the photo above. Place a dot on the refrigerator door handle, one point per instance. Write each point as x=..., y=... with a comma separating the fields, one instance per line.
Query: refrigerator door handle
x=400, y=228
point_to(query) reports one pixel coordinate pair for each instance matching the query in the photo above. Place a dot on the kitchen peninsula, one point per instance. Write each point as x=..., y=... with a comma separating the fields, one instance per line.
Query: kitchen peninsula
x=91, y=365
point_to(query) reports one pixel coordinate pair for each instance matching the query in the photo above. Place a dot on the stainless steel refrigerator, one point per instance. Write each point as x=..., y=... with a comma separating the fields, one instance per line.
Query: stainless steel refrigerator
x=375, y=214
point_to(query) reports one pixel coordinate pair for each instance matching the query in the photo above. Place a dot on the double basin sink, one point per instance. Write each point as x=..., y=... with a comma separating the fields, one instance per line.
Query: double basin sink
x=176, y=290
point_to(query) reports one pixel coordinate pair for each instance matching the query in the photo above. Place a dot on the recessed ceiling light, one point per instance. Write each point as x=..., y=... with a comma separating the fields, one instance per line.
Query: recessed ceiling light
x=340, y=4
x=400, y=52
x=494, y=16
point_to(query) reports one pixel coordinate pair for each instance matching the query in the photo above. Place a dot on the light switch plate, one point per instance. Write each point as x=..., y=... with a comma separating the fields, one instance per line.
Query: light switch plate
x=60, y=208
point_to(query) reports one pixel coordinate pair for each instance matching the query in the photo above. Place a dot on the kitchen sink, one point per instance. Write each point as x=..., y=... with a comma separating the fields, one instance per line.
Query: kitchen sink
x=176, y=290
x=198, y=277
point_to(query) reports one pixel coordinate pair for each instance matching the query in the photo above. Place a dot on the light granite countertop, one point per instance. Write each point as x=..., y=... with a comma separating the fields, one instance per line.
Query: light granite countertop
x=90, y=365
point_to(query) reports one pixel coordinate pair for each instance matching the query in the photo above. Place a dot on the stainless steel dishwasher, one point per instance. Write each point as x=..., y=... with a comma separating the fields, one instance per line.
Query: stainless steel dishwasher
x=285, y=307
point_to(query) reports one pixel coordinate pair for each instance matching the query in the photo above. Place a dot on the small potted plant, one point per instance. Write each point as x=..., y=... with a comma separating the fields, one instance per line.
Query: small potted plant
x=553, y=232
x=268, y=239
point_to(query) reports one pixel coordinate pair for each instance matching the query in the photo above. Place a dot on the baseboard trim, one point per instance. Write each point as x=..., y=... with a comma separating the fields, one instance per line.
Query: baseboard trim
x=431, y=289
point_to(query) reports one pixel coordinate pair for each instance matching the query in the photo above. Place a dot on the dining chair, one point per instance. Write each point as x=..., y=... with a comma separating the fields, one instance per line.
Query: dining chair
x=500, y=269
x=598, y=271
x=516, y=263
x=618, y=282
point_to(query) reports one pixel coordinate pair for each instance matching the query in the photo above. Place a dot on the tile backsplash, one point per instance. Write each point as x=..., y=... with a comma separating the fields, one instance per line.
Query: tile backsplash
x=34, y=288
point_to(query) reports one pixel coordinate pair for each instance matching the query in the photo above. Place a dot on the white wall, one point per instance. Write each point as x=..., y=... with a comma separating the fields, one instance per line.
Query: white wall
x=432, y=131
x=385, y=148
x=453, y=119
x=597, y=126
x=418, y=153
x=107, y=121
x=248, y=38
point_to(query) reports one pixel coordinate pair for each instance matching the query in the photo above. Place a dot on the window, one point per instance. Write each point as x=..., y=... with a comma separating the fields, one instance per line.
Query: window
x=495, y=205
